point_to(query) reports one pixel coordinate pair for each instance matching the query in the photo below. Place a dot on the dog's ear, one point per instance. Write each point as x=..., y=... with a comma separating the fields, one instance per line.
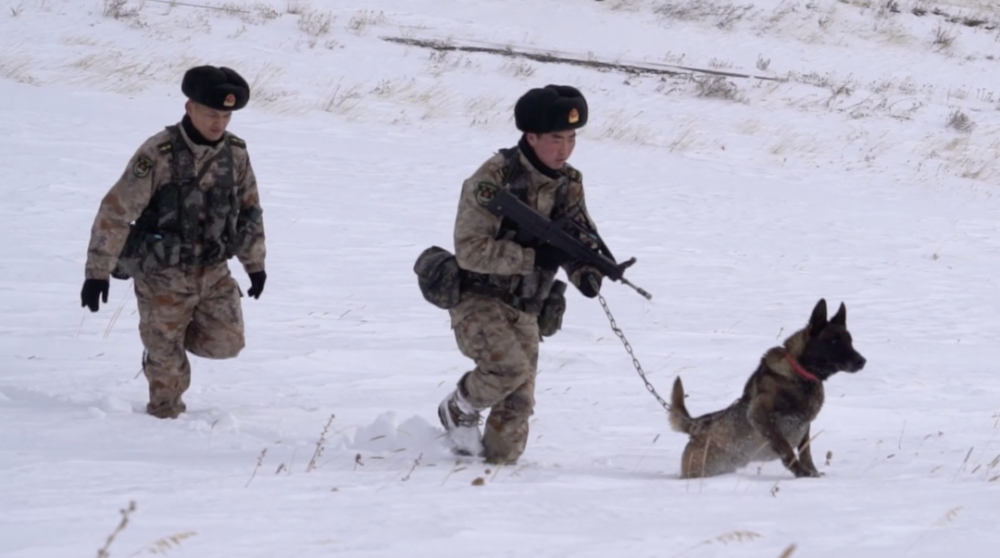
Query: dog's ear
x=818, y=319
x=840, y=318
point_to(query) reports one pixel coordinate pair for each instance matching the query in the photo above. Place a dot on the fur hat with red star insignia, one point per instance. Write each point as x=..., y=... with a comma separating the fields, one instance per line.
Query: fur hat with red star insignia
x=553, y=108
x=219, y=88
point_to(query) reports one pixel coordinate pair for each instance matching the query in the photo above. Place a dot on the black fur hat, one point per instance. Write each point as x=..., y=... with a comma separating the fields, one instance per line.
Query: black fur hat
x=553, y=108
x=219, y=88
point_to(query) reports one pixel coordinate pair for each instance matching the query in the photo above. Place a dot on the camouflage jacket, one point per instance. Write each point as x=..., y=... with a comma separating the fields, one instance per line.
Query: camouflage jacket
x=488, y=254
x=149, y=171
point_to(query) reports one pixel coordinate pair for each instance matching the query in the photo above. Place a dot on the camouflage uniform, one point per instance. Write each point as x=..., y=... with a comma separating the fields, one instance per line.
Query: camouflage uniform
x=195, y=206
x=495, y=324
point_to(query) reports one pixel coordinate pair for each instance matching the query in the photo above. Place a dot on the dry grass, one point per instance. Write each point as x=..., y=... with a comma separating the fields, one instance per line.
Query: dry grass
x=165, y=545
x=723, y=16
x=959, y=121
x=624, y=5
x=257, y=13
x=518, y=68
x=484, y=110
x=17, y=70
x=363, y=19
x=442, y=62
x=316, y=24
x=944, y=521
x=320, y=445
x=627, y=127
x=125, y=513
x=717, y=87
x=943, y=38
x=297, y=7
x=119, y=9
x=342, y=99
x=732, y=537
x=260, y=461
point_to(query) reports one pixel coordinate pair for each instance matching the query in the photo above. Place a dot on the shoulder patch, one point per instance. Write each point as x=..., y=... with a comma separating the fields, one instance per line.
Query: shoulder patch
x=142, y=166
x=237, y=142
x=485, y=191
x=165, y=147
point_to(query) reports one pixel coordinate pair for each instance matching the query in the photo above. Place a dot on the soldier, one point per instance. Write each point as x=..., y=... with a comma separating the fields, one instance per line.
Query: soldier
x=506, y=285
x=186, y=203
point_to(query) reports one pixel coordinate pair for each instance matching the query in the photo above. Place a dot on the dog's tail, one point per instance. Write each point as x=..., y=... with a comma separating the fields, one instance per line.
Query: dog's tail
x=680, y=418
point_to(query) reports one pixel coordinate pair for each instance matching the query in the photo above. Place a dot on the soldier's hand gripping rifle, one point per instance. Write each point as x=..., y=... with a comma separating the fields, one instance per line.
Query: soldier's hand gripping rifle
x=565, y=234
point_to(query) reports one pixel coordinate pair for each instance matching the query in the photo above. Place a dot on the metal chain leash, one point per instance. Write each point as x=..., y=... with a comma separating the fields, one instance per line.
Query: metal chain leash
x=628, y=348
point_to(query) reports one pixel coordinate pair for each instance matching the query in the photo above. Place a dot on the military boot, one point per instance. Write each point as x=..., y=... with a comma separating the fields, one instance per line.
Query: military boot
x=461, y=422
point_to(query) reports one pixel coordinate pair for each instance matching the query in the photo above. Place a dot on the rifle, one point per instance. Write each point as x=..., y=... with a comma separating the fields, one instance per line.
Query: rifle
x=563, y=233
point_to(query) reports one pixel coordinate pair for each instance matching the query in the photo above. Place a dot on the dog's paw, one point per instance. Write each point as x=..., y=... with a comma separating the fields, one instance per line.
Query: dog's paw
x=801, y=471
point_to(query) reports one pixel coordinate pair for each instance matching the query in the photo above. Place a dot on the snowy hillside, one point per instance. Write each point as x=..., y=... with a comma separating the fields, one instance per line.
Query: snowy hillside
x=770, y=154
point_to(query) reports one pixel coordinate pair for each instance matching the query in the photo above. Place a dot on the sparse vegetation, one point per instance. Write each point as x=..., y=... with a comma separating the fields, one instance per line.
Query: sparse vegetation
x=316, y=24
x=519, y=68
x=960, y=121
x=716, y=87
x=363, y=19
x=723, y=539
x=723, y=16
x=165, y=545
x=320, y=445
x=296, y=7
x=943, y=37
x=122, y=524
x=945, y=520
x=119, y=9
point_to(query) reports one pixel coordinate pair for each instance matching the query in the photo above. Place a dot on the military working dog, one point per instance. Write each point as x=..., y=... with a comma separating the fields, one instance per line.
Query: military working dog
x=779, y=402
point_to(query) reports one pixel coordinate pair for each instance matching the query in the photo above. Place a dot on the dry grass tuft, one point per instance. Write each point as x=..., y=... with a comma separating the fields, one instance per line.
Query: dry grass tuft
x=731, y=537
x=103, y=551
x=945, y=520
x=363, y=19
x=716, y=87
x=119, y=9
x=320, y=444
x=316, y=24
x=960, y=121
x=166, y=544
x=723, y=16
x=943, y=38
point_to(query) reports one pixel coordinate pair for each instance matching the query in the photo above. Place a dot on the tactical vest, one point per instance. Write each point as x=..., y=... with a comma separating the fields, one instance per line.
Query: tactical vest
x=184, y=225
x=524, y=292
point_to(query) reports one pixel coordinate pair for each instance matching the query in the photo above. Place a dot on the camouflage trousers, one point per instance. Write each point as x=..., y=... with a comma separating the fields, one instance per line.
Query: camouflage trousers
x=195, y=311
x=503, y=343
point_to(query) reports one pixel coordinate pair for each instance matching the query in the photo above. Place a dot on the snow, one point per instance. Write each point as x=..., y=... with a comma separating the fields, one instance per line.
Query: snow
x=741, y=213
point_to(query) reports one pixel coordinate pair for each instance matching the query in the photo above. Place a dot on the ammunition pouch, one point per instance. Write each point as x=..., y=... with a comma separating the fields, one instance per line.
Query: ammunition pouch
x=439, y=278
x=551, y=316
x=144, y=253
x=442, y=283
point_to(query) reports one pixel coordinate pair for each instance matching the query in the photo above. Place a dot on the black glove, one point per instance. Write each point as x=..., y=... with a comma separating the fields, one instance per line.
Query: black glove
x=551, y=316
x=590, y=283
x=549, y=257
x=257, y=279
x=92, y=289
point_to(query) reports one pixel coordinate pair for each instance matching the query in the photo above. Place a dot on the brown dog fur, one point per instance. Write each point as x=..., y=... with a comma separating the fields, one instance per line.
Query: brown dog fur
x=777, y=407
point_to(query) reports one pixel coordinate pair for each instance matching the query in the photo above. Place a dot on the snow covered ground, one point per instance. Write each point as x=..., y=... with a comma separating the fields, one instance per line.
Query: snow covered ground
x=850, y=174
